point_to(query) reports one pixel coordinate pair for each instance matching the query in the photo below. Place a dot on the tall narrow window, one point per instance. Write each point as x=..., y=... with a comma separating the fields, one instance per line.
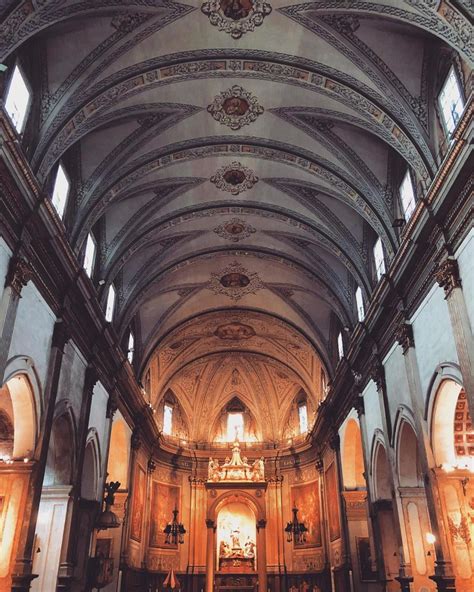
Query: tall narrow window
x=360, y=304
x=451, y=102
x=60, y=191
x=303, y=417
x=17, y=100
x=89, y=256
x=379, y=259
x=340, y=346
x=167, y=419
x=407, y=196
x=235, y=427
x=131, y=347
x=109, y=309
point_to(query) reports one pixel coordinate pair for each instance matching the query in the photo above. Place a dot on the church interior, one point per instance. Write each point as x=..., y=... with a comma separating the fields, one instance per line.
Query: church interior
x=236, y=296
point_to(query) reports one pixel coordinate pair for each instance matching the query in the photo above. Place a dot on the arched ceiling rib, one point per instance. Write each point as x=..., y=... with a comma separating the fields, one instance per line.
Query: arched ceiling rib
x=132, y=100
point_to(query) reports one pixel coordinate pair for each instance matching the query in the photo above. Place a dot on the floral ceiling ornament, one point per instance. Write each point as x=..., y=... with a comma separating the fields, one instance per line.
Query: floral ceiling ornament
x=235, y=282
x=235, y=107
x=236, y=17
x=234, y=178
x=234, y=230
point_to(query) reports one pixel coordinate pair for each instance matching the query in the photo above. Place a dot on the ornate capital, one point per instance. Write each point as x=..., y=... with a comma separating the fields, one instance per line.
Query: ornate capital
x=261, y=523
x=112, y=405
x=61, y=334
x=151, y=466
x=210, y=523
x=359, y=405
x=404, y=336
x=19, y=274
x=335, y=441
x=319, y=464
x=447, y=276
x=90, y=380
x=136, y=440
x=377, y=373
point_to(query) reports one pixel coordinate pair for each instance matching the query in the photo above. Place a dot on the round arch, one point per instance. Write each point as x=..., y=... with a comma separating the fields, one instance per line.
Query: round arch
x=231, y=497
x=17, y=402
x=352, y=456
x=407, y=455
x=119, y=452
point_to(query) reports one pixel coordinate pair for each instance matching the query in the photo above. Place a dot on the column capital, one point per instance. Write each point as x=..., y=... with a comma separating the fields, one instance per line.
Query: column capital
x=112, y=405
x=358, y=403
x=319, y=465
x=210, y=523
x=335, y=441
x=447, y=275
x=377, y=373
x=61, y=334
x=404, y=336
x=151, y=466
x=136, y=440
x=19, y=274
x=262, y=523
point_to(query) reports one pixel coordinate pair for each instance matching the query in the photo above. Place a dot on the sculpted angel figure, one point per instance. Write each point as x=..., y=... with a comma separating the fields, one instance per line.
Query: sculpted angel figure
x=258, y=469
x=213, y=470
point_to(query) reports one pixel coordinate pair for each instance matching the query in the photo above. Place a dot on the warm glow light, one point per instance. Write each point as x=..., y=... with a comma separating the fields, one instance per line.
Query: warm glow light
x=430, y=538
x=235, y=427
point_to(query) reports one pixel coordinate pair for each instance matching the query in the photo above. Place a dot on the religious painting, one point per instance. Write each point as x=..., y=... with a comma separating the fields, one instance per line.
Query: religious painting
x=236, y=9
x=136, y=523
x=365, y=560
x=306, y=499
x=103, y=547
x=164, y=499
x=332, y=496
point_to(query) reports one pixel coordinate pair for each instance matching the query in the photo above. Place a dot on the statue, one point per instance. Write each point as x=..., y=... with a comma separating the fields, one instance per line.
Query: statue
x=213, y=470
x=258, y=470
x=224, y=549
x=304, y=586
x=249, y=548
x=235, y=538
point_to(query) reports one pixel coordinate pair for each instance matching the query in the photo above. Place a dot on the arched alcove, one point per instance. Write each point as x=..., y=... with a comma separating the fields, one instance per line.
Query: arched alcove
x=119, y=453
x=381, y=474
x=449, y=420
x=408, y=461
x=90, y=470
x=60, y=462
x=18, y=418
x=352, y=456
x=236, y=530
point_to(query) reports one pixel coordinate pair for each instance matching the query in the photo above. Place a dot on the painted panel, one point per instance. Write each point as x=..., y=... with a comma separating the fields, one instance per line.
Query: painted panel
x=164, y=499
x=306, y=499
x=136, y=523
x=332, y=496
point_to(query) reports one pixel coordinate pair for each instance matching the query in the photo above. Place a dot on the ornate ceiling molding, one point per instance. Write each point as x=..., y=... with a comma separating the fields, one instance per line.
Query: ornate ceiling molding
x=313, y=76
x=235, y=107
x=235, y=281
x=235, y=230
x=234, y=178
x=236, y=17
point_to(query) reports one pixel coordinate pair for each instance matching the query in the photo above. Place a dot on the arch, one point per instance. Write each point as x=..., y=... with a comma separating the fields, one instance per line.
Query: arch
x=17, y=403
x=62, y=446
x=232, y=496
x=408, y=461
x=381, y=472
x=119, y=453
x=91, y=467
x=352, y=456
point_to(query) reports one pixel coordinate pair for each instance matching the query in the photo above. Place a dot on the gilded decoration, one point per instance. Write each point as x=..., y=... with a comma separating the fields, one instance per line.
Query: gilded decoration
x=234, y=178
x=236, y=468
x=235, y=282
x=235, y=107
x=235, y=230
x=234, y=332
x=236, y=17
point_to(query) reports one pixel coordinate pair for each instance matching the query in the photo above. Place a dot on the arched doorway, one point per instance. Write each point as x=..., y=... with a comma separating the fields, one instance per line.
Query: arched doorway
x=17, y=447
x=452, y=440
x=236, y=537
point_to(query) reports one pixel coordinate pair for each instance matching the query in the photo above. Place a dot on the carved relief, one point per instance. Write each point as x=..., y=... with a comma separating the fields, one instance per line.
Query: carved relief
x=234, y=178
x=234, y=230
x=235, y=108
x=236, y=17
x=234, y=332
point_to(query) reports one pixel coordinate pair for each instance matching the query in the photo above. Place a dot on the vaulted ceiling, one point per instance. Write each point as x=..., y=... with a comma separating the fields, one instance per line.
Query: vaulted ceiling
x=234, y=155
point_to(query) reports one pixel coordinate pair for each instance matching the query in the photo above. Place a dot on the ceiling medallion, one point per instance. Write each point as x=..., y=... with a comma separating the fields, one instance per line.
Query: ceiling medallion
x=234, y=331
x=236, y=17
x=235, y=282
x=234, y=178
x=235, y=108
x=235, y=230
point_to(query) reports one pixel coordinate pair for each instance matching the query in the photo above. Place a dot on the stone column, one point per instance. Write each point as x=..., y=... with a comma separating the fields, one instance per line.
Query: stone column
x=324, y=525
x=375, y=538
x=19, y=273
x=210, y=561
x=447, y=276
x=443, y=575
x=404, y=578
x=22, y=576
x=262, y=555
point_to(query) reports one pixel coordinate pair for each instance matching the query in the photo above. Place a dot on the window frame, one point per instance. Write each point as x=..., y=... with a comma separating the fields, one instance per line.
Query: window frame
x=449, y=133
x=24, y=78
x=68, y=179
x=131, y=347
x=171, y=408
x=304, y=406
x=90, y=272
x=110, y=317
x=340, y=346
x=381, y=264
x=232, y=439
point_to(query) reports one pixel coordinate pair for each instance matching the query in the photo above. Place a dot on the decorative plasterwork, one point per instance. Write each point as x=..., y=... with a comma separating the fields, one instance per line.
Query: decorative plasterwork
x=235, y=107
x=234, y=178
x=236, y=17
x=235, y=281
x=235, y=230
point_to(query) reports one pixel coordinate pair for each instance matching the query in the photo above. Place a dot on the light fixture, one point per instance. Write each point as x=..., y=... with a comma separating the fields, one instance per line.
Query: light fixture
x=296, y=530
x=174, y=530
x=107, y=518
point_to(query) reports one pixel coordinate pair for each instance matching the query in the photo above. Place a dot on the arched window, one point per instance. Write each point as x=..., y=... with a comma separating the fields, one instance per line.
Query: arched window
x=60, y=190
x=110, y=306
x=130, y=347
x=18, y=99
x=167, y=419
x=451, y=102
x=340, y=346
x=379, y=259
x=235, y=426
x=303, y=417
x=89, y=255
x=407, y=196
x=360, y=304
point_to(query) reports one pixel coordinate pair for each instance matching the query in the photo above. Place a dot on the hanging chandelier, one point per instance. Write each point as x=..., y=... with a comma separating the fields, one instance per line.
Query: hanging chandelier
x=296, y=530
x=174, y=531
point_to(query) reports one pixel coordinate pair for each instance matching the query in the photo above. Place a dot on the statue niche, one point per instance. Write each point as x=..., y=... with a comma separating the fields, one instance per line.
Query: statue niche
x=236, y=539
